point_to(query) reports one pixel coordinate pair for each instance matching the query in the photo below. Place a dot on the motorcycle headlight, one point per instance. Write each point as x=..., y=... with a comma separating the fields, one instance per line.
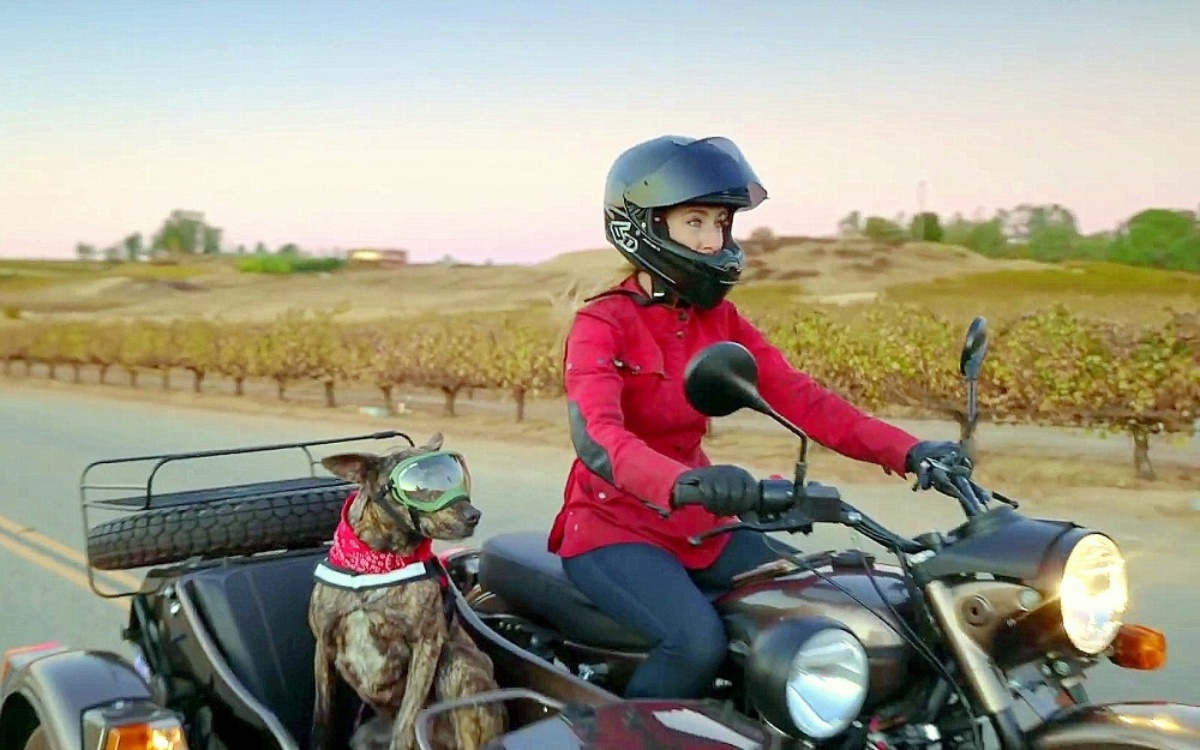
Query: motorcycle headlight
x=1093, y=593
x=808, y=677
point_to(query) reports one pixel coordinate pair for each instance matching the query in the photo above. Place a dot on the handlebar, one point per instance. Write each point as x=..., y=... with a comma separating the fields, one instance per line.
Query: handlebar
x=781, y=506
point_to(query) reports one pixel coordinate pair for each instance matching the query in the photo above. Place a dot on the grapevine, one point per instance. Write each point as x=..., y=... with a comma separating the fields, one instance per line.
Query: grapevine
x=1049, y=367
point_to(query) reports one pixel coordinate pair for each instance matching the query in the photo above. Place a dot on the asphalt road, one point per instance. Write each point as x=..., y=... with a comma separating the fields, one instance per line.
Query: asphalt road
x=47, y=439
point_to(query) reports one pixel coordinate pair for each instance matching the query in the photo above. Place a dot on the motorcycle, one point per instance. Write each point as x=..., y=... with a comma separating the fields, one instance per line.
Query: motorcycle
x=836, y=649
x=828, y=649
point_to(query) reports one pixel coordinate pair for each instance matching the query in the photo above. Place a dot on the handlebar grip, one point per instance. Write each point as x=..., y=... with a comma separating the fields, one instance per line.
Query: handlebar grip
x=687, y=494
x=775, y=495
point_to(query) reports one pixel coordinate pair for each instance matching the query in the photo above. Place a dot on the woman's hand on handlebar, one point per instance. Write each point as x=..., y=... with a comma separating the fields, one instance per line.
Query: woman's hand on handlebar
x=945, y=467
x=933, y=460
x=724, y=490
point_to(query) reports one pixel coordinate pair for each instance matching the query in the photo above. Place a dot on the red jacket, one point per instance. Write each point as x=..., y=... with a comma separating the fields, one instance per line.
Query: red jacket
x=634, y=431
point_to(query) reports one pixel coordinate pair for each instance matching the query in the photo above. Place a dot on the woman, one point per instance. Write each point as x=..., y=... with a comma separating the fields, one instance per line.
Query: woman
x=669, y=205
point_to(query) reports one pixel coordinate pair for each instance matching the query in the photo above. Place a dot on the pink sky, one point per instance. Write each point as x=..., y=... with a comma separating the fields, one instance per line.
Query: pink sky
x=507, y=160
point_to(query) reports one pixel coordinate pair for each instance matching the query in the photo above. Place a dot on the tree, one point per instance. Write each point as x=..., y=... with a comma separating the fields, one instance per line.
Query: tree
x=186, y=232
x=879, y=228
x=926, y=227
x=985, y=236
x=1160, y=237
x=850, y=225
x=1096, y=246
x=134, y=246
x=1024, y=221
x=211, y=240
x=85, y=251
x=1051, y=231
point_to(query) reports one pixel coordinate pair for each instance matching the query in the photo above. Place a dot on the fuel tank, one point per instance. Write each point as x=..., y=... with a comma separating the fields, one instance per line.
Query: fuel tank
x=756, y=605
x=644, y=724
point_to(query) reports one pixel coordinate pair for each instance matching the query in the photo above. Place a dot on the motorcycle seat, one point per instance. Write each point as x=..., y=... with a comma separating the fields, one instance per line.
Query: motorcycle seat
x=256, y=613
x=519, y=569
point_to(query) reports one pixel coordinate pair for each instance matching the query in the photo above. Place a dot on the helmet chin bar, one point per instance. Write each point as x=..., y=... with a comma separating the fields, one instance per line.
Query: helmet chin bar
x=679, y=275
x=660, y=292
x=657, y=240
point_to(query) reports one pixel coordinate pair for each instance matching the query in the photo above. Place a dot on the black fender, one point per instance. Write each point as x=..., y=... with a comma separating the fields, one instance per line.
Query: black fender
x=62, y=685
x=1135, y=725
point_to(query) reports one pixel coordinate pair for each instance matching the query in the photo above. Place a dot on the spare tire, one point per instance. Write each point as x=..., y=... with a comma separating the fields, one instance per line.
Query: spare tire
x=303, y=518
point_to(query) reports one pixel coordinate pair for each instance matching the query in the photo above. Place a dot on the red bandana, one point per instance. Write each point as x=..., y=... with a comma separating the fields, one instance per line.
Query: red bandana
x=351, y=553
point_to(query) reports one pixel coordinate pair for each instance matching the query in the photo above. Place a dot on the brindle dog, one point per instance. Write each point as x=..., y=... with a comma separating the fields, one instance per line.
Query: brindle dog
x=399, y=645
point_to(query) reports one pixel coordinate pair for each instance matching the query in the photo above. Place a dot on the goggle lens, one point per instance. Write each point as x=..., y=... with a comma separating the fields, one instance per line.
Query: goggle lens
x=431, y=481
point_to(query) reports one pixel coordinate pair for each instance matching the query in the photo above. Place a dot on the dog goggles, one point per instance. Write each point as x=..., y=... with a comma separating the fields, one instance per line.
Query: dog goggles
x=430, y=481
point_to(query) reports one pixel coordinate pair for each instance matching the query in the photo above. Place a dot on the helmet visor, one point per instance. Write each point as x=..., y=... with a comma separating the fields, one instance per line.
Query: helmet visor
x=709, y=167
x=430, y=481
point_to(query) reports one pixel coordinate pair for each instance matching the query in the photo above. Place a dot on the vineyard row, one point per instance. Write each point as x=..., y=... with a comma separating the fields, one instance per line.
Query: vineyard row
x=1049, y=368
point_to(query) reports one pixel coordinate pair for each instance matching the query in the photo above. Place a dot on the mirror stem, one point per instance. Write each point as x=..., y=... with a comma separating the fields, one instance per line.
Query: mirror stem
x=972, y=405
x=972, y=417
x=801, y=471
x=802, y=459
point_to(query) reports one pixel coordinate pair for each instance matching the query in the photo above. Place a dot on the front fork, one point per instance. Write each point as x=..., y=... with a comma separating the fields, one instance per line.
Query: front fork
x=991, y=691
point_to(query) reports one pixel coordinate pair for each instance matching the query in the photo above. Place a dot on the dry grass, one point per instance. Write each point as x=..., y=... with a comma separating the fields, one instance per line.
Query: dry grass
x=1093, y=289
x=796, y=269
x=842, y=276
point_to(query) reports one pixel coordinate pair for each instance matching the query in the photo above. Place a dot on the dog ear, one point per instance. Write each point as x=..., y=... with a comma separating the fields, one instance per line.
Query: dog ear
x=433, y=443
x=360, y=468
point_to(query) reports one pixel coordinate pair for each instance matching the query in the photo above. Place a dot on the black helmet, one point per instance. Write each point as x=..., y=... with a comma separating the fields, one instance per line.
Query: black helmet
x=665, y=172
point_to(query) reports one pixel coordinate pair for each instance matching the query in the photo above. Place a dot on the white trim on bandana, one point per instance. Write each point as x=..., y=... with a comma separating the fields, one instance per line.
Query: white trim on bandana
x=344, y=579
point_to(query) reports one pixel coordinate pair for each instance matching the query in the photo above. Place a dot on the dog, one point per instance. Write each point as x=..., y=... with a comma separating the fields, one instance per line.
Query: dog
x=381, y=619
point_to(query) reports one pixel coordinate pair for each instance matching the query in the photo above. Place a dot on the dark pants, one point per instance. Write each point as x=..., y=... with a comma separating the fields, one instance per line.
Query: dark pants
x=649, y=591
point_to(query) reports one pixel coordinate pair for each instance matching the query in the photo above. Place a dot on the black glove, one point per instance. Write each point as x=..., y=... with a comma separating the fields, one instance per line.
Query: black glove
x=724, y=490
x=946, y=452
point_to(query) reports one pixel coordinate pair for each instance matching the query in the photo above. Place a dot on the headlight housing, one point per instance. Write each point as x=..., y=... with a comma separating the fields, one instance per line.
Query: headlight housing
x=808, y=677
x=1093, y=593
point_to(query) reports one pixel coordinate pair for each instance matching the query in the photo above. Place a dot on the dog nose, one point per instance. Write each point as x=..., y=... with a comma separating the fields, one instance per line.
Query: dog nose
x=471, y=514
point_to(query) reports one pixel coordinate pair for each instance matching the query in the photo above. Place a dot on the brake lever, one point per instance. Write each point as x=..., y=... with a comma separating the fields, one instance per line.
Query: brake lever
x=940, y=479
x=980, y=495
x=1002, y=498
x=967, y=488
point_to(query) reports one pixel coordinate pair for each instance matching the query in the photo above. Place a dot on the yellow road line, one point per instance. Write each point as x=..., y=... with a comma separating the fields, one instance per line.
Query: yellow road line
x=45, y=562
x=22, y=531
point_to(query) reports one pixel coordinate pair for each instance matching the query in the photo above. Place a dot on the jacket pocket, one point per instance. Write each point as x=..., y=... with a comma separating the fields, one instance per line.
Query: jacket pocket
x=642, y=379
x=644, y=359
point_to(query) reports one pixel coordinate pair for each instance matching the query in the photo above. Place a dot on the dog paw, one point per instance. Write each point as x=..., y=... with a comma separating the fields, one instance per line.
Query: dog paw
x=374, y=734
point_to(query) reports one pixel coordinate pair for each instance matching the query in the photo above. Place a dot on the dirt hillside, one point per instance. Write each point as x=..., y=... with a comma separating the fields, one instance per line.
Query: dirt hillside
x=832, y=271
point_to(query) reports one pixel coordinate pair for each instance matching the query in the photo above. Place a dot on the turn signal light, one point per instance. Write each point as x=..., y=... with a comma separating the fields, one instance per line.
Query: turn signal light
x=162, y=735
x=1139, y=647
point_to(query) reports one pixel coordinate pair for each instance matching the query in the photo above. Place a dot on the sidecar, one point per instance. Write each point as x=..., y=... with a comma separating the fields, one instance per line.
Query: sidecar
x=221, y=652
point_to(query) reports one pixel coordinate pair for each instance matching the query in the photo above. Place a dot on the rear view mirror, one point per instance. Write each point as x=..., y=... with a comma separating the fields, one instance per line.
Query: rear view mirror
x=722, y=379
x=974, y=349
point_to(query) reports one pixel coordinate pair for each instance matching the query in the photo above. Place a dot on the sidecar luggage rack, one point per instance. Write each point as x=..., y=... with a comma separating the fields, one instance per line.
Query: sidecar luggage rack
x=148, y=499
x=145, y=498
